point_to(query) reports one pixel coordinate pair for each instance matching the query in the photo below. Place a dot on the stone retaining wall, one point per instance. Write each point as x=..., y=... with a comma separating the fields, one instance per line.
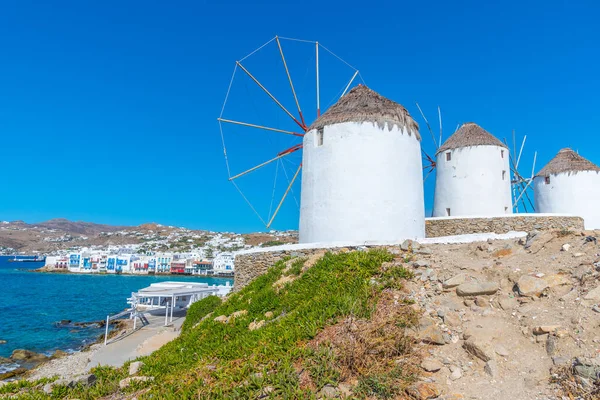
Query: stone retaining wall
x=251, y=265
x=448, y=226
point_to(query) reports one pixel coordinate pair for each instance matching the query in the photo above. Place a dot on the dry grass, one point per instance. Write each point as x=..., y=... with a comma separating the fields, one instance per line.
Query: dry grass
x=366, y=347
x=572, y=386
x=502, y=253
x=255, y=239
x=564, y=233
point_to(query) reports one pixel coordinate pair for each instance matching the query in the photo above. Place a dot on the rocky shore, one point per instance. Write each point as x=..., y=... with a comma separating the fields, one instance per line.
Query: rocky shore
x=24, y=363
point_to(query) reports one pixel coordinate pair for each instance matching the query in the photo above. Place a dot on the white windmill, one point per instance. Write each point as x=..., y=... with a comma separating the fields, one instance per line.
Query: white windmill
x=569, y=184
x=456, y=184
x=272, y=99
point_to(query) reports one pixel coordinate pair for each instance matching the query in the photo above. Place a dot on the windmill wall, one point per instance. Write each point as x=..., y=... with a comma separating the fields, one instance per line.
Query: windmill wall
x=361, y=181
x=576, y=193
x=472, y=181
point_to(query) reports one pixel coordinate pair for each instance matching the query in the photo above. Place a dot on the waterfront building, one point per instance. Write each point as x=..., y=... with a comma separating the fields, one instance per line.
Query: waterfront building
x=223, y=263
x=163, y=263
x=74, y=262
x=86, y=262
x=203, y=267
x=140, y=264
x=111, y=264
x=102, y=263
x=178, y=267
x=119, y=262
x=57, y=262
x=123, y=264
x=151, y=265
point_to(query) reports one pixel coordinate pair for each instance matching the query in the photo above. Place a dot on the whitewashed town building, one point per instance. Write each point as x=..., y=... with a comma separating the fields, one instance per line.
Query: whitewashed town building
x=120, y=261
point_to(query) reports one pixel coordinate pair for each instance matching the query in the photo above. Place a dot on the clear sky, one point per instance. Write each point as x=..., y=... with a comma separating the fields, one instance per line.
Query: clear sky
x=108, y=109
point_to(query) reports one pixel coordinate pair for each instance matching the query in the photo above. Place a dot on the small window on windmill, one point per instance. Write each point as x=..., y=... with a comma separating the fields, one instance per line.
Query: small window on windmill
x=503, y=175
x=448, y=212
x=319, y=140
x=448, y=156
x=505, y=210
x=547, y=180
x=502, y=153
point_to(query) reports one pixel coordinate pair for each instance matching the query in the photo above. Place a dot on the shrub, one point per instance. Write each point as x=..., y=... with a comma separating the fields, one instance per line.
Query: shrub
x=199, y=310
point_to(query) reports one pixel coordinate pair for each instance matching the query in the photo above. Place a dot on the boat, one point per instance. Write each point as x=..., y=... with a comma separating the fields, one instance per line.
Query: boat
x=34, y=259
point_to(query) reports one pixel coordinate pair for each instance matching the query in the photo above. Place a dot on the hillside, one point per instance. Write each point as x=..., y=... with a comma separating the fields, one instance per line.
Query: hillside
x=76, y=227
x=506, y=319
x=272, y=339
x=58, y=235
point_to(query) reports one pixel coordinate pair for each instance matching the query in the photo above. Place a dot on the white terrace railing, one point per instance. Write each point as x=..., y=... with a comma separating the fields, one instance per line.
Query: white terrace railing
x=132, y=314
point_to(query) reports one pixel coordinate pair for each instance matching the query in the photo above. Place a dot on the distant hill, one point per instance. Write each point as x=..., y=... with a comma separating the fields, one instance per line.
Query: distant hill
x=60, y=233
x=77, y=227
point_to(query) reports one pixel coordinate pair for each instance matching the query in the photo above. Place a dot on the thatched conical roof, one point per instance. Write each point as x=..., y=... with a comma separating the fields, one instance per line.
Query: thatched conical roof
x=470, y=134
x=362, y=104
x=567, y=161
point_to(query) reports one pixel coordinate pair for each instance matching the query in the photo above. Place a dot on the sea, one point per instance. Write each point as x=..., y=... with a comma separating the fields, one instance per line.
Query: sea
x=33, y=304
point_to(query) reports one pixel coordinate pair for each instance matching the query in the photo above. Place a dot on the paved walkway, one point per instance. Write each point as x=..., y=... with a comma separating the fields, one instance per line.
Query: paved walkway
x=142, y=342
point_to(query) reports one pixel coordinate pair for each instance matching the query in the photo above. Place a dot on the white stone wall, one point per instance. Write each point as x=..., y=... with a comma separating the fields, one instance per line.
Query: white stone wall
x=471, y=183
x=363, y=183
x=572, y=193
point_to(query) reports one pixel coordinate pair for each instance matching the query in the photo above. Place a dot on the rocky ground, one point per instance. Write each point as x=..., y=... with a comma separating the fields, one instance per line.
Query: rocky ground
x=506, y=319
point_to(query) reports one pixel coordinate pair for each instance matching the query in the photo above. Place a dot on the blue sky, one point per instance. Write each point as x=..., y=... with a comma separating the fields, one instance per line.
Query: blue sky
x=108, y=109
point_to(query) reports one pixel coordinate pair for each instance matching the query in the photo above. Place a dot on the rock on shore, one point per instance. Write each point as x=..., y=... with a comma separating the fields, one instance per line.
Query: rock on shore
x=28, y=356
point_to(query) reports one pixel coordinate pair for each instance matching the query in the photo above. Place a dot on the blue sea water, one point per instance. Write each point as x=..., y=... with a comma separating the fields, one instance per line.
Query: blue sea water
x=32, y=303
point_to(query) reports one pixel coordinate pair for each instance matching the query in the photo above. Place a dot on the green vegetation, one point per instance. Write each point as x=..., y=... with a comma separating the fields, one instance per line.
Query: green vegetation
x=272, y=243
x=199, y=310
x=14, y=387
x=295, y=268
x=302, y=346
x=564, y=233
x=382, y=386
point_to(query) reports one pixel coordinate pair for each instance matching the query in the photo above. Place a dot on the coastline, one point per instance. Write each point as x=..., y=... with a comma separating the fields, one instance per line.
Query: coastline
x=26, y=361
x=125, y=345
x=47, y=270
x=44, y=327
